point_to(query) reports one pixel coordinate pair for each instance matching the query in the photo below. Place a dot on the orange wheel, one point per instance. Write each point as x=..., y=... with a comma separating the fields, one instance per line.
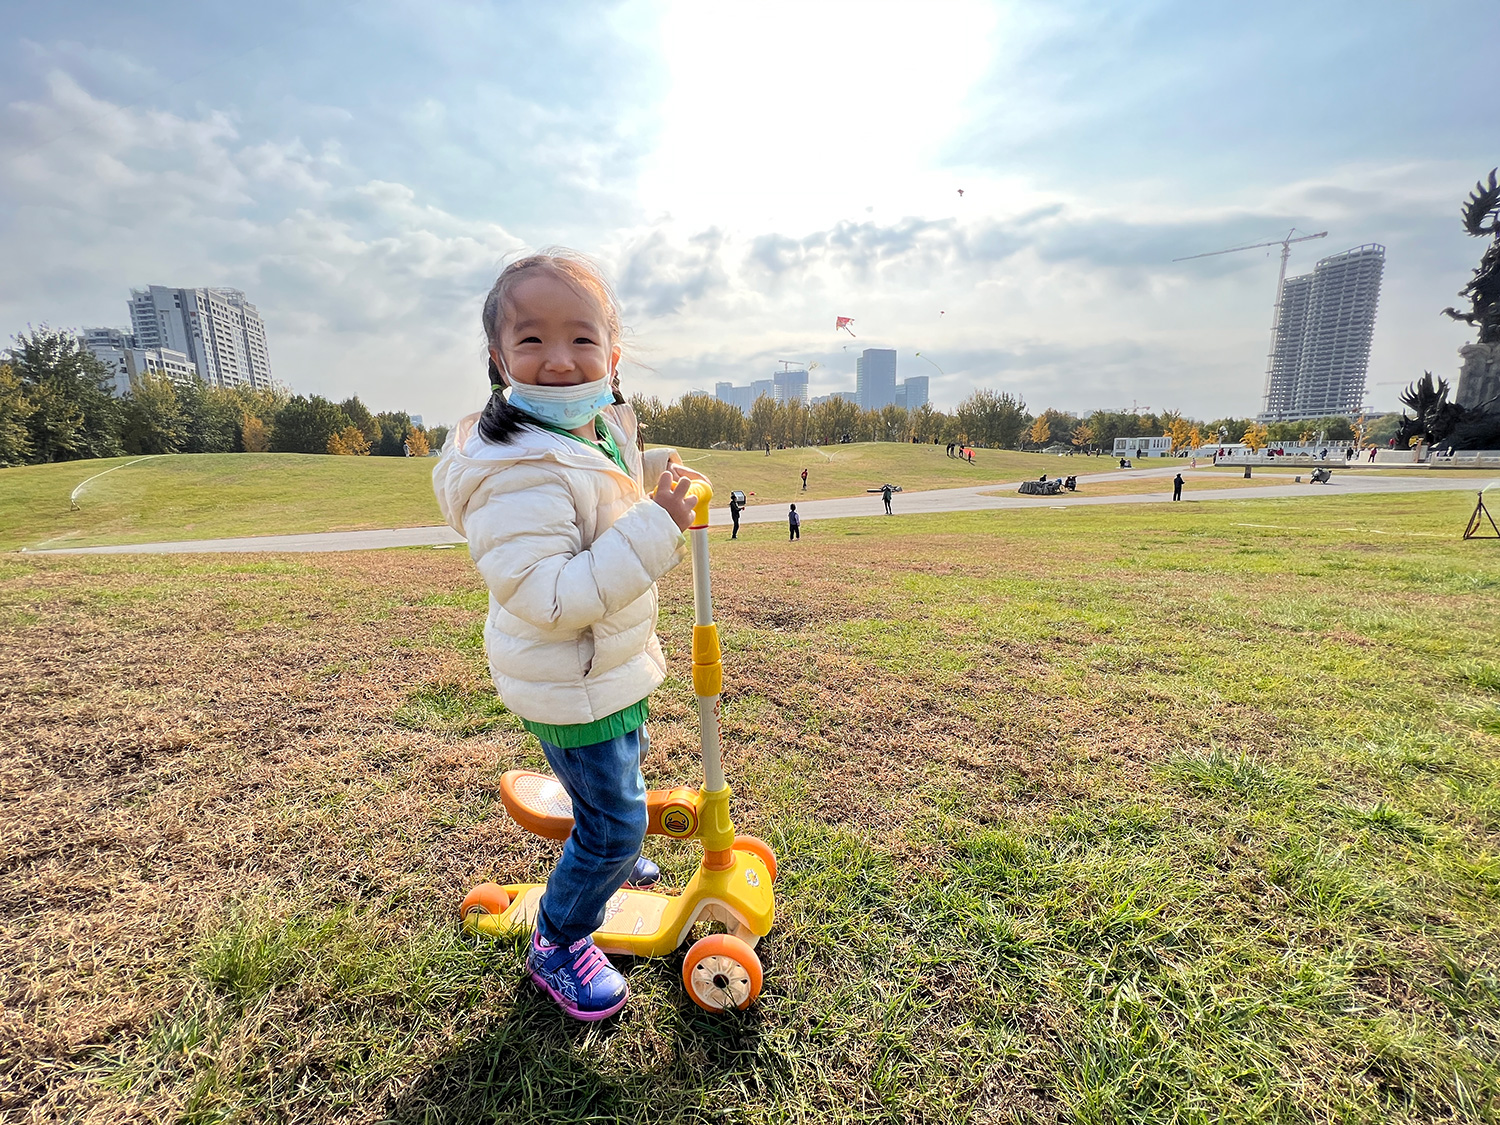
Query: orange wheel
x=487, y=898
x=721, y=972
x=758, y=847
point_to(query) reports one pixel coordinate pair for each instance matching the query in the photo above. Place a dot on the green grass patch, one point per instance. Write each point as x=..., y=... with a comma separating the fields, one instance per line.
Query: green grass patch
x=453, y=710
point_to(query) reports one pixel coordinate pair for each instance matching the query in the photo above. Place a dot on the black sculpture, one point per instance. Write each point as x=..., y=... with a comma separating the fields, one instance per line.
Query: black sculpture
x=1483, y=289
x=1474, y=422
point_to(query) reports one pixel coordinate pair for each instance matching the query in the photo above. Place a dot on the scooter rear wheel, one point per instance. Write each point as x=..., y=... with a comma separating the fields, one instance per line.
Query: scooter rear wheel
x=722, y=972
x=487, y=898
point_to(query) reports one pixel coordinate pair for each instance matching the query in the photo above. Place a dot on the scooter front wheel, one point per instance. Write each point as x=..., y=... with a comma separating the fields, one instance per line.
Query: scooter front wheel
x=722, y=972
x=758, y=847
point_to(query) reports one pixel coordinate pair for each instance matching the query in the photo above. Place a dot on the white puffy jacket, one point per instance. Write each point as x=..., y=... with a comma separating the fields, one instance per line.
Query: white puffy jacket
x=571, y=549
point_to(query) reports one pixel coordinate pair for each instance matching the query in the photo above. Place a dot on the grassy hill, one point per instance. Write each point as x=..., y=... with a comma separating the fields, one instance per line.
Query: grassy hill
x=207, y=496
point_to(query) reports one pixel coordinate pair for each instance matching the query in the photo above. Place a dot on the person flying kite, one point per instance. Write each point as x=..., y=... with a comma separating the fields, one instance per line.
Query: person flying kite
x=844, y=322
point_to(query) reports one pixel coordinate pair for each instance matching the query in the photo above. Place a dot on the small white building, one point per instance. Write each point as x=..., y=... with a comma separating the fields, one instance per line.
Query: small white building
x=1143, y=447
x=119, y=352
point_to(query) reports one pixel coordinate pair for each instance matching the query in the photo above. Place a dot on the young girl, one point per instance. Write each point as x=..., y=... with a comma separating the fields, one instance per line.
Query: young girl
x=548, y=485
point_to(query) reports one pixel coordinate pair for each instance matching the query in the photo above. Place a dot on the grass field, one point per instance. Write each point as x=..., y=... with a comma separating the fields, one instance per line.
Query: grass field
x=1085, y=815
x=209, y=496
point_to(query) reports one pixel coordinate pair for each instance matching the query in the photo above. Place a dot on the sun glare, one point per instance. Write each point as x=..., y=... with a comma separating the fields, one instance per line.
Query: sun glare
x=795, y=114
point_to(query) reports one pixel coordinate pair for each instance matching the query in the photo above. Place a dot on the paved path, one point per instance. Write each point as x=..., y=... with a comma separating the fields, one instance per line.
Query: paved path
x=967, y=499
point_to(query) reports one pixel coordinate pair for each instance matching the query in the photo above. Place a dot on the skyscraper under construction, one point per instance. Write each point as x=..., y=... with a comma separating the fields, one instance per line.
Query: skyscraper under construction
x=1324, y=322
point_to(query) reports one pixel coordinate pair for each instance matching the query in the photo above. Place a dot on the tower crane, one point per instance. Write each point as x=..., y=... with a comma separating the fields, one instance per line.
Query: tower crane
x=1286, y=250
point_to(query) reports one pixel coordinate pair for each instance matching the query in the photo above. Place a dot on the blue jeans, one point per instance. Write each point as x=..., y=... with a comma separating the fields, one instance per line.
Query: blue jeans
x=608, y=793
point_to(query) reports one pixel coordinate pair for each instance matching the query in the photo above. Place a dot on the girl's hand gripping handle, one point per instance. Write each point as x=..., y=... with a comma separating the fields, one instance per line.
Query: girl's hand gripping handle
x=678, y=501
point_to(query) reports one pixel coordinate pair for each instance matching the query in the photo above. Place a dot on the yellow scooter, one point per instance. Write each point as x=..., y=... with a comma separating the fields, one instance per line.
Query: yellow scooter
x=733, y=882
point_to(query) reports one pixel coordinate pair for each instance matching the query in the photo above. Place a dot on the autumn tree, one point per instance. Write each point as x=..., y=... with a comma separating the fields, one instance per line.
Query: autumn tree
x=1040, y=432
x=255, y=435
x=1254, y=436
x=833, y=418
x=349, y=442
x=15, y=412
x=417, y=440
x=1181, y=431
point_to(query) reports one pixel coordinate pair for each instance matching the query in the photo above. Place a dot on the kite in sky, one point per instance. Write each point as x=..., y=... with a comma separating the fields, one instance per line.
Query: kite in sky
x=844, y=322
x=960, y=193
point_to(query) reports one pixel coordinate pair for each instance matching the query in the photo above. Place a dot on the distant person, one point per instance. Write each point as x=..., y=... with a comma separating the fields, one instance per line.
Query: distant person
x=405, y=448
x=1374, y=449
x=1177, y=487
x=793, y=524
x=970, y=452
x=734, y=514
x=804, y=480
x=768, y=449
x=1122, y=462
x=885, y=494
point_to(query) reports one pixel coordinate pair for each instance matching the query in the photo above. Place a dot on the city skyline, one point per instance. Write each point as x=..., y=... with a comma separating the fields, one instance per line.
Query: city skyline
x=369, y=207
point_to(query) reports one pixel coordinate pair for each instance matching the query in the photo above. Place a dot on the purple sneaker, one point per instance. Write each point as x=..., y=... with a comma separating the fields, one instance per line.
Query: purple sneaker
x=643, y=875
x=578, y=977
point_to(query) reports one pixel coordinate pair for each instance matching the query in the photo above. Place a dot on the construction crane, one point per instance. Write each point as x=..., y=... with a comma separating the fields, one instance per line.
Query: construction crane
x=1286, y=250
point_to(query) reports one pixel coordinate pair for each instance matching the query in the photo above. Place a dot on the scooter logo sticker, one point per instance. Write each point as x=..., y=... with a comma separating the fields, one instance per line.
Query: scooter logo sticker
x=678, y=821
x=752, y=878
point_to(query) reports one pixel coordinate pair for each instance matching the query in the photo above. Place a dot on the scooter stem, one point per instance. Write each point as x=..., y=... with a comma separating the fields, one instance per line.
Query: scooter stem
x=708, y=670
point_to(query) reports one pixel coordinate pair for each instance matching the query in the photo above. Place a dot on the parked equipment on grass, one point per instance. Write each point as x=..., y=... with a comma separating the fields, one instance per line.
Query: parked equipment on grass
x=733, y=882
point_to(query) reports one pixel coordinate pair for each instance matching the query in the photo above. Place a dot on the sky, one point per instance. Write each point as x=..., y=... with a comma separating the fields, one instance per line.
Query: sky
x=745, y=173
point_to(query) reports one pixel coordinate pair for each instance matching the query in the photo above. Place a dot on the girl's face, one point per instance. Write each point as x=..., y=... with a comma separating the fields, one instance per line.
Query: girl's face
x=554, y=336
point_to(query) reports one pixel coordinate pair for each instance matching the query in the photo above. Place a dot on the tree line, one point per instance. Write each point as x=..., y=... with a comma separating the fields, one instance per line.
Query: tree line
x=57, y=404
x=991, y=419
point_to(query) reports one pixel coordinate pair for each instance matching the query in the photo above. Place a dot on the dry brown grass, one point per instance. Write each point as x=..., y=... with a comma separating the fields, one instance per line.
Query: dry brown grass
x=182, y=740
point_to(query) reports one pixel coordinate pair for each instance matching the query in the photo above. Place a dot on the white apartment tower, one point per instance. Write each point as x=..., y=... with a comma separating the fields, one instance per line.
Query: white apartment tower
x=1321, y=350
x=219, y=330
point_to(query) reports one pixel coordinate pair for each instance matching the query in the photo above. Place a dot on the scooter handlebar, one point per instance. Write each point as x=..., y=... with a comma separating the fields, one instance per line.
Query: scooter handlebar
x=701, y=494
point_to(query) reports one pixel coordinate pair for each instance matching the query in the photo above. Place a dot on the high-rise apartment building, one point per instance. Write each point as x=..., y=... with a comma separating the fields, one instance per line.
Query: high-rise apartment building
x=1321, y=349
x=218, y=329
x=790, y=386
x=875, y=378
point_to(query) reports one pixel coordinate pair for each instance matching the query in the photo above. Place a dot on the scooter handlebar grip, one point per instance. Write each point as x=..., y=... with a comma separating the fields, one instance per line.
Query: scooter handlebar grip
x=701, y=494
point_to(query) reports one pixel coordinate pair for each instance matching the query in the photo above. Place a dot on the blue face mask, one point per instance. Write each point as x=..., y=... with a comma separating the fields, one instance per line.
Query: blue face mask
x=564, y=407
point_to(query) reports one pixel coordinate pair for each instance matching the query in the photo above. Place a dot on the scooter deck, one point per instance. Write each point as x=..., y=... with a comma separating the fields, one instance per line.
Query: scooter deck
x=650, y=924
x=637, y=913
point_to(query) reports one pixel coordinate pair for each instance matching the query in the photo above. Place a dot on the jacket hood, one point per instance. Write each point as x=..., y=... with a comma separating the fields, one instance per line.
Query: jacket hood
x=457, y=476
